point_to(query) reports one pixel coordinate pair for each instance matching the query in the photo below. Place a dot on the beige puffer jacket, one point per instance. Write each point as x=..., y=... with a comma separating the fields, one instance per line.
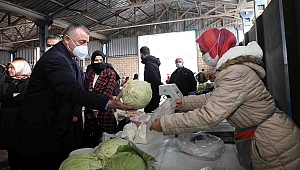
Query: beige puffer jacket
x=241, y=97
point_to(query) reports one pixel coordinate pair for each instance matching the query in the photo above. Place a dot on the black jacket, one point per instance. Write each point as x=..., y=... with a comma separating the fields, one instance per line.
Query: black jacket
x=152, y=72
x=185, y=80
x=8, y=87
x=52, y=92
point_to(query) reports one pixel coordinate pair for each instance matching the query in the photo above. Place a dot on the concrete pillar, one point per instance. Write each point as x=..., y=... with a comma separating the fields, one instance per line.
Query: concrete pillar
x=43, y=33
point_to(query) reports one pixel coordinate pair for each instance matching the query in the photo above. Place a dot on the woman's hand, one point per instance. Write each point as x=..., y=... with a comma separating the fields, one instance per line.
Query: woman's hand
x=178, y=103
x=156, y=125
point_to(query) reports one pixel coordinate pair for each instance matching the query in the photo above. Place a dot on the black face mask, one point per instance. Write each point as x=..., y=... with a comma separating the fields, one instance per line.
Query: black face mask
x=98, y=67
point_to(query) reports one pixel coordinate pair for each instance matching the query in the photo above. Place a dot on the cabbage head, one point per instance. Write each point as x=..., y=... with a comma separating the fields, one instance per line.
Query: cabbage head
x=126, y=161
x=137, y=93
x=110, y=147
x=115, y=146
x=84, y=162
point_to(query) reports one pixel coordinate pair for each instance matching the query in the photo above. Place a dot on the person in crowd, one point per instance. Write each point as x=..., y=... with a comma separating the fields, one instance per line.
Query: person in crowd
x=135, y=77
x=101, y=81
x=168, y=79
x=183, y=78
x=117, y=88
x=152, y=76
x=51, y=40
x=266, y=138
x=53, y=90
x=201, y=78
x=2, y=73
x=11, y=95
x=76, y=126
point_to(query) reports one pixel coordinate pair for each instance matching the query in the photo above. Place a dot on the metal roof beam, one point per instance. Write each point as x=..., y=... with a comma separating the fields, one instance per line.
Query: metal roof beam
x=7, y=6
x=33, y=39
x=5, y=48
x=109, y=9
x=170, y=21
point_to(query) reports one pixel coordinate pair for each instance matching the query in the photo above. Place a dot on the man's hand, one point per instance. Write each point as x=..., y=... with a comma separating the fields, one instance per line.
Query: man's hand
x=178, y=103
x=95, y=112
x=117, y=104
x=15, y=94
x=75, y=119
x=156, y=125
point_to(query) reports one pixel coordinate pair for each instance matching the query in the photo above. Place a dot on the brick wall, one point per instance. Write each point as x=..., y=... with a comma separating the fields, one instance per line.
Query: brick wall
x=201, y=65
x=125, y=66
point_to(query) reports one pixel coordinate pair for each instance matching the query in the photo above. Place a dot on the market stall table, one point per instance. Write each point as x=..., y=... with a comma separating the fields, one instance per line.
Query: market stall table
x=170, y=158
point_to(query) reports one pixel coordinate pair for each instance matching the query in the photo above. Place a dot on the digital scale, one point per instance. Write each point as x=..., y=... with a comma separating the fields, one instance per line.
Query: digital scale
x=170, y=90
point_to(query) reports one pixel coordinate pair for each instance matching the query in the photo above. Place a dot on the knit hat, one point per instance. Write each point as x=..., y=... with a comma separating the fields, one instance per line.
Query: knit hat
x=217, y=42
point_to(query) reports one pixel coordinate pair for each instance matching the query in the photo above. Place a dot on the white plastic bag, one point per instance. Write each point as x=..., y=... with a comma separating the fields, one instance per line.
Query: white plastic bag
x=202, y=145
x=166, y=108
x=129, y=130
x=140, y=135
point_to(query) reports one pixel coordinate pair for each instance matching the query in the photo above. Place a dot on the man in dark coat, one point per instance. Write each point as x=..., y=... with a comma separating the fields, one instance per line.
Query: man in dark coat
x=152, y=76
x=53, y=90
x=183, y=78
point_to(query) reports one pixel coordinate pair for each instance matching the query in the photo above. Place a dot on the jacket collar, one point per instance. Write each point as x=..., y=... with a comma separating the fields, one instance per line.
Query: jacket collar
x=63, y=49
x=252, y=49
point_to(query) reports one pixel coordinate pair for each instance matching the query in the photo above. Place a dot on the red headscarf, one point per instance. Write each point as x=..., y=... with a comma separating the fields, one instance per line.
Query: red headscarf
x=216, y=41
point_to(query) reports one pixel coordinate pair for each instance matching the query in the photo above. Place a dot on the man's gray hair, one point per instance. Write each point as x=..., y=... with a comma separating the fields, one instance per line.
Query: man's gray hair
x=70, y=30
x=53, y=36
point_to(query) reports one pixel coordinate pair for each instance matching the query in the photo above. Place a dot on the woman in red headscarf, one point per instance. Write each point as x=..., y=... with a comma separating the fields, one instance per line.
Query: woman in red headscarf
x=265, y=137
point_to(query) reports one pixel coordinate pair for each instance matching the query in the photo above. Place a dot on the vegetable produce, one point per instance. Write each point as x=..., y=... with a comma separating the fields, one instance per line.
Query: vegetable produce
x=113, y=154
x=84, y=162
x=110, y=147
x=137, y=93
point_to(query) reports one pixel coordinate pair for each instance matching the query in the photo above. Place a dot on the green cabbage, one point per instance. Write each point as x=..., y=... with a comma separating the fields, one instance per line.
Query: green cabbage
x=137, y=93
x=110, y=147
x=84, y=162
x=113, y=154
x=126, y=161
x=115, y=146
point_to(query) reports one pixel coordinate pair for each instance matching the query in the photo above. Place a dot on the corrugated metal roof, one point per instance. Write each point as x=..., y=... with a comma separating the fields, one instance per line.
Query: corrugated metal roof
x=123, y=47
x=122, y=18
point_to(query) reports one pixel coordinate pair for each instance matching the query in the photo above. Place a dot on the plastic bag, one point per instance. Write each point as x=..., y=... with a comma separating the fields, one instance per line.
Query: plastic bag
x=215, y=167
x=129, y=131
x=202, y=145
x=140, y=135
x=166, y=108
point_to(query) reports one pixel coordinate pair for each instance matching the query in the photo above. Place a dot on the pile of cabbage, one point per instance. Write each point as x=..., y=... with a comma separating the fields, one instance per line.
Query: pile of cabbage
x=113, y=154
x=137, y=93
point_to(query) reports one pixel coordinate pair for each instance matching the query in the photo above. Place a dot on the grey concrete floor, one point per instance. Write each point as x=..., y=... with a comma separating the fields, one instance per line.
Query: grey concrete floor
x=3, y=160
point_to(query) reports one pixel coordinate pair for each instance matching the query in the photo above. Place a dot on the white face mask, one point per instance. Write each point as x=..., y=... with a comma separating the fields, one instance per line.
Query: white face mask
x=209, y=61
x=47, y=48
x=79, y=51
x=179, y=65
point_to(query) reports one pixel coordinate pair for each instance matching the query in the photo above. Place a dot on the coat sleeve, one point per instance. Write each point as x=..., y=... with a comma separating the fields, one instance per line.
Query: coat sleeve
x=193, y=102
x=228, y=95
x=154, y=78
x=4, y=96
x=59, y=75
x=192, y=81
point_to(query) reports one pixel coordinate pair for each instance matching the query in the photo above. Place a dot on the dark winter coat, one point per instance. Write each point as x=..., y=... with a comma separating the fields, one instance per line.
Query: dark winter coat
x=53, y=90
x=185, y=80
x=10, y=108
x=152, y=76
